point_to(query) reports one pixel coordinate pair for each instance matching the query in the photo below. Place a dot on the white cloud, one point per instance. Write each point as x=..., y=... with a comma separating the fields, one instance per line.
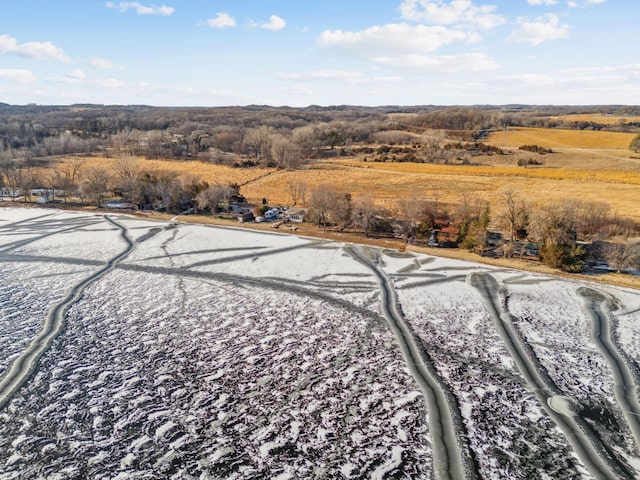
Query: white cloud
x=103, y=64
x=321, y=75
x=17, y=75
x=222, y=20
x=543, y=29
x=585, y=3
x=559, y=80
x=349, y=77
x=142, y=9
x=77, y=74
x=298, y=90
x=109, y=83
x=275, y=23
x=634, y=68
x=378, y=80
x=36, y=50
x=468, y=62
x=542, y=2
x=78, y=77
x=439, y=12
x=390, y=39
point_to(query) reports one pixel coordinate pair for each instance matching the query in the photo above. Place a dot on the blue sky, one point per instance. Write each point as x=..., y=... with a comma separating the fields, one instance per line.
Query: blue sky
x=299, y=53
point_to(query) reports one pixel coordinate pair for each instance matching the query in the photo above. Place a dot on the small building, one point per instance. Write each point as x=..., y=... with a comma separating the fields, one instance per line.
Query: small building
x=10, y=194
x=246, y=216
x=296, y=215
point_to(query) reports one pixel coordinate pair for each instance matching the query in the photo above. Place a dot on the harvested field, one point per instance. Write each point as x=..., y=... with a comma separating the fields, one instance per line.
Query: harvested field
x=210, y=172
x=387, y=182
x=597, y=118
x=557, y=138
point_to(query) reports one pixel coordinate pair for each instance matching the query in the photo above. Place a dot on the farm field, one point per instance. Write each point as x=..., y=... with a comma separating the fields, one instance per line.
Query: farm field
x=388, y=182
x=584, y=165
x=597, y=118
x=555, y=137
x=608, y=175
x=159, y=349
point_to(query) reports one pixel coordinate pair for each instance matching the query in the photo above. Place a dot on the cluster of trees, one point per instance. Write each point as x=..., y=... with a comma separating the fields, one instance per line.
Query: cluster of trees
x=145, y=189
x=126, y=179
x=262, y=133
x=556, y=228
x=259, y=134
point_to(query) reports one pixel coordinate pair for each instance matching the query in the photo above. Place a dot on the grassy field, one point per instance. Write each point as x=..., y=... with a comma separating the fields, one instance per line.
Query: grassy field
x=607, y=173
x=557, y=138
x=213, y=174
x=596, y=117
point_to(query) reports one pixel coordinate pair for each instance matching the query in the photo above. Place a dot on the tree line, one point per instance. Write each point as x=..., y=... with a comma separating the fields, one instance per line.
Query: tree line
x=210, y=133
x=566, y=235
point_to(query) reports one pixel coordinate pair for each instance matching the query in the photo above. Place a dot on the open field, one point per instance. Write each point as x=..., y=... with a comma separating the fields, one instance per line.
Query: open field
x=387, y=182
x=571, y=174
x=190, y=351
x=557, y=138
x=214, y=174
x=597, y=118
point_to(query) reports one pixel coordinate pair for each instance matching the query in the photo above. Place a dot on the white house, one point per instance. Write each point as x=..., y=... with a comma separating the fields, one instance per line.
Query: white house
x=9, y=194
x=296, y=215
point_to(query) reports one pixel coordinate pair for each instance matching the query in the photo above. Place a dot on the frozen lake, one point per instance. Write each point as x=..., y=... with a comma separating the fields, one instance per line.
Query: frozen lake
x=138, y=349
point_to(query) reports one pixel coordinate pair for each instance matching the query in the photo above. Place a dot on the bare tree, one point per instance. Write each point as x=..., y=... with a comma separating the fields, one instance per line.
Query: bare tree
x=67, y=175
x=157, y=141
x=285, y=153
x=191, y=186
x=127, y=172
x=328, y=205
x=514, y=215
x=258, y=141
x=297, y=190
x=364, y=214
x=432, y=142
x=95, y=184
x=411, y=211
x=306, y=138
x=212, y=197
x=127, y=142
x=29, y=180
x=591, y=217
x=620, y=256
x=11, y=169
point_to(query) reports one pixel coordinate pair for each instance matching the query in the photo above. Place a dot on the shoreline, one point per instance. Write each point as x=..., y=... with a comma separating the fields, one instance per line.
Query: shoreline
x=308, y=230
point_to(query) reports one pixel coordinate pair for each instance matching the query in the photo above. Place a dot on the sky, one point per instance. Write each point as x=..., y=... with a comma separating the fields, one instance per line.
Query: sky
x=330, y=52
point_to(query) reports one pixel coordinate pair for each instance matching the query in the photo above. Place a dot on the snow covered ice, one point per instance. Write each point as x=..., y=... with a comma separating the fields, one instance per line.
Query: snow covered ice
x=194, y=351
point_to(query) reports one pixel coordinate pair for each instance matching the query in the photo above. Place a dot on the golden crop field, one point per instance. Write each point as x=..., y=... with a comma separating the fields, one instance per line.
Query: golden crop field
x=385, y=183
x=208, y=172
x=557, y=138
x=595, y=117
x=583, y=175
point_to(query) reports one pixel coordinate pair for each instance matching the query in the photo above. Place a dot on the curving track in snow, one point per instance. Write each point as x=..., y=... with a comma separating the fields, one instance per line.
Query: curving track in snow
x=598, y=307
x=451, y=456
x=564, y=411
x=26, y=364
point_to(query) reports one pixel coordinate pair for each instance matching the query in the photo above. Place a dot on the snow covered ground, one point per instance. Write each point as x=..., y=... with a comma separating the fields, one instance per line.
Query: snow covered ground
x=189, y=351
